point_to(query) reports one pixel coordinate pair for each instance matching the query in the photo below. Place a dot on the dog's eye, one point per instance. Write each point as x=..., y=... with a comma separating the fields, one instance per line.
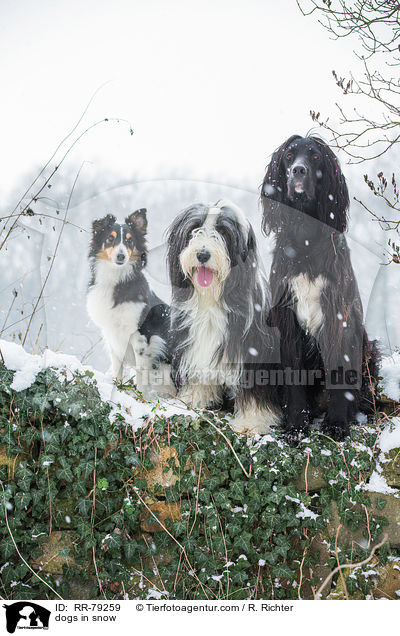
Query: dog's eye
x=289, y=156
x=110, y=239
x=315, y=157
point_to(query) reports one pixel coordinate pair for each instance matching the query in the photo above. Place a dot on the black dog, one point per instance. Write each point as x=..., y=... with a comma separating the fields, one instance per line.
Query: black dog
x=315, y=298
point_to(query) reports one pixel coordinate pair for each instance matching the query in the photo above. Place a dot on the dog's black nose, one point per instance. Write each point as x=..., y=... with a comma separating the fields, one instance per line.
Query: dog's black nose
x=299, y=170
x=203, y=256
x=120, y=257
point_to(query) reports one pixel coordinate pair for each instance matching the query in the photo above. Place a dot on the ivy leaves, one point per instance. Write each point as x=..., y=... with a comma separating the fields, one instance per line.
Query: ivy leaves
x=241, y=526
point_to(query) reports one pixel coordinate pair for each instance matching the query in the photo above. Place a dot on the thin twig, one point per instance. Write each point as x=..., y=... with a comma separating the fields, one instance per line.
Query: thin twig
x=338, y=561
x=200, y=414
x=197, y=499
x=48, y=179
x=173, y=538
x=94, y=490
x=16, y=547
x=306, y=471
x=97, y=573
x=349, y=566
x=53, y=256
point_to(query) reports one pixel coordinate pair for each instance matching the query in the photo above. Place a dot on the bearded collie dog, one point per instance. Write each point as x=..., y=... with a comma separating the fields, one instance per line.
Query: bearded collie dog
x=222, y=347
x=133, y=320
x=316, y=305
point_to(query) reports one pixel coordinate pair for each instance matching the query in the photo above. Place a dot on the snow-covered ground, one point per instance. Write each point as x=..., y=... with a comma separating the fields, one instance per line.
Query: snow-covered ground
x=388, y=440
x=27, y=366
x=134, y=412
x=390, y=372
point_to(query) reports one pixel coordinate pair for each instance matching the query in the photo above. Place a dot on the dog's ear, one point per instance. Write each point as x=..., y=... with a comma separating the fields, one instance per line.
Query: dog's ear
x=251, y=240
x=250, y=247
x=101, y=224
x=138, y=220
x=333, y=200
x=274, y=190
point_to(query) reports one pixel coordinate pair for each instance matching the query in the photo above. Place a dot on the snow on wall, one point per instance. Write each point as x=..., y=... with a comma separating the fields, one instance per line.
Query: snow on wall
x=390, y=372
x=27, y=366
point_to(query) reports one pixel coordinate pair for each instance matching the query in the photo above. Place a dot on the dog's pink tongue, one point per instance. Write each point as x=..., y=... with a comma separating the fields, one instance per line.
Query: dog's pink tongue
x=204, y=276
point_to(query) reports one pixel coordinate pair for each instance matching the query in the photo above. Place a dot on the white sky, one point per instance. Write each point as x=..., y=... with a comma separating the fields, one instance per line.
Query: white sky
x=210, y=87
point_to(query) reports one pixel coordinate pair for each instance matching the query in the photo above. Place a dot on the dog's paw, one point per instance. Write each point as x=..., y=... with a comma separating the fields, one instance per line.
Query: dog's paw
x=139, y=344
x=260, y=422
x=296, y=425
x=336, y=429
x=197, y=397
x=293, y=437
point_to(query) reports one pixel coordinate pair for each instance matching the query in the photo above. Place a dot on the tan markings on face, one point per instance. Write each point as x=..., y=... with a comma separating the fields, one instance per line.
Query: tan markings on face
x=128, y=236
x=106, y=253
x=114, y=234
x=134, y=255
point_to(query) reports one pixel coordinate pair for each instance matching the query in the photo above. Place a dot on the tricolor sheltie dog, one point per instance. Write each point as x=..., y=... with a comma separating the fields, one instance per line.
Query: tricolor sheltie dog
x=221, y=344
x=133, y=320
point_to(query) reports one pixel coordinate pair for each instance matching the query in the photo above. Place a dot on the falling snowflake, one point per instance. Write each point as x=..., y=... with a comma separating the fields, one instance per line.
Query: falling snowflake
x=290, y=252
x=269, y=190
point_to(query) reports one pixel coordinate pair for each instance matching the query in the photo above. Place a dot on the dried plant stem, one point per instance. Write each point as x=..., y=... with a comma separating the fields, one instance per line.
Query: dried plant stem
x=18, y=552
x=349, y=566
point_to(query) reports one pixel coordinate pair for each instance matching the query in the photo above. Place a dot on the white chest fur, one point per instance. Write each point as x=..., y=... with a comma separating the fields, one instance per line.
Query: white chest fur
x=307, y=294
x=207, y=324
x=118, y=322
